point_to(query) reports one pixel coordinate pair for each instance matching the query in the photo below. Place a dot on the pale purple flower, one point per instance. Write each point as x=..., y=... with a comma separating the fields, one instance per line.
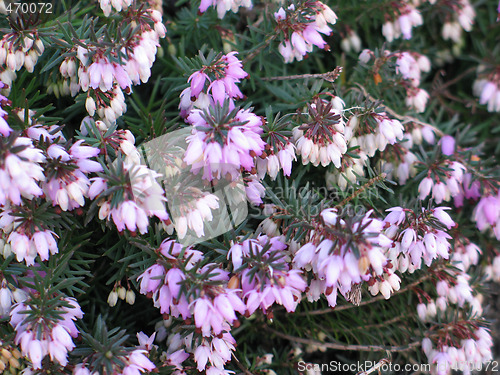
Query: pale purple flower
x=488, y=90
x=225, y=156
x=365, y=56
x=487, y=213
x=70, y=185
x=197, y=80
x=221, y=76
x=224, y=6
x=443, y=217
x=336, y=265
x=274, y=283
x=148, y=199
x=448, y=145
x=37, y=340
x=324, y=146
x=417, y=99
x=299, y=40
x=21, y=171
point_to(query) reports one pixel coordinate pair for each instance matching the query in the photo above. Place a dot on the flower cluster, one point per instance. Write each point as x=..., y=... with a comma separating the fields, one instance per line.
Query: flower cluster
x=265, y=276
x=342, y=252
x=209, y=353
x=254, y=189
x=224, y=6
x=195, y=210
x=66, y=169
x=417, y=236
x=211, y=310
x=69, y=84
x=104, y=73
x=132, y=363
x=9, y=358
x=181, y=287
x=462, y=16
x=223, y=141
x=443, y=181
x=9, y=295
x=119, y=5
x=24, y=240
x=279, y=156
x=373, y=131
x=97, y=71
x=352, y=166
x=38, y=339
x=469, y=348
x=470, y=189
x=216, y=351
x=492, y=271
x=487, y=213
x=136, y=197
x=410, y=66
x=320, y=138
x=487, y=88
x=20, y=170
x=5, y=129
x=302, y=28
x=351, y=42
x=18, y=49
x=218, y=79
x=404, y=17
x=398, y=162
x=108, y=105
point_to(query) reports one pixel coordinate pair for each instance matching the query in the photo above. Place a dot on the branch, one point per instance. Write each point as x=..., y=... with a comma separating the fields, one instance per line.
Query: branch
x=361, y=189
x=379, y=364
x=454, y=80
x=328, y=76
x=367, y=302
x=240, y=365
x=379, y=325
x=337, y=346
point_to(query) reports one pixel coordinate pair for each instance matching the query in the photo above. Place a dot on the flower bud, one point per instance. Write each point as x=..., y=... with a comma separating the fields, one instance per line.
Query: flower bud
x=130, y=297
x=121, y=292
x=90, y=105
x=112, y=298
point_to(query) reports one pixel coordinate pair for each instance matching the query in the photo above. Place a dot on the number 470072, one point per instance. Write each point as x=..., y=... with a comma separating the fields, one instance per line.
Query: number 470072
x=29, y=8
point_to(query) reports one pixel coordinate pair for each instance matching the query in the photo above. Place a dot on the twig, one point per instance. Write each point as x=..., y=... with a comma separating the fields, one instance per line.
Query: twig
x=372, y=300
x=379, y=364
x=337, y=346
x=328, y=76
x=240, y=365
x=455, y=80
x=361, y=189
x=378, y=325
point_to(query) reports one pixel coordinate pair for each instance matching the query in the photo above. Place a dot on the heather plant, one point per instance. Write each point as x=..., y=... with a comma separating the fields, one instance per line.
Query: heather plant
x=250, y=187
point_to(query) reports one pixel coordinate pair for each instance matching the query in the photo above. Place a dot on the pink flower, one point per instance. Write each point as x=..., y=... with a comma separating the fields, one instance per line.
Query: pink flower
x=443, y=217
x=448, y=145
x=218, y=157
x=304, y=35
x=425, y=186
x=197, y=80
x=37, y=340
